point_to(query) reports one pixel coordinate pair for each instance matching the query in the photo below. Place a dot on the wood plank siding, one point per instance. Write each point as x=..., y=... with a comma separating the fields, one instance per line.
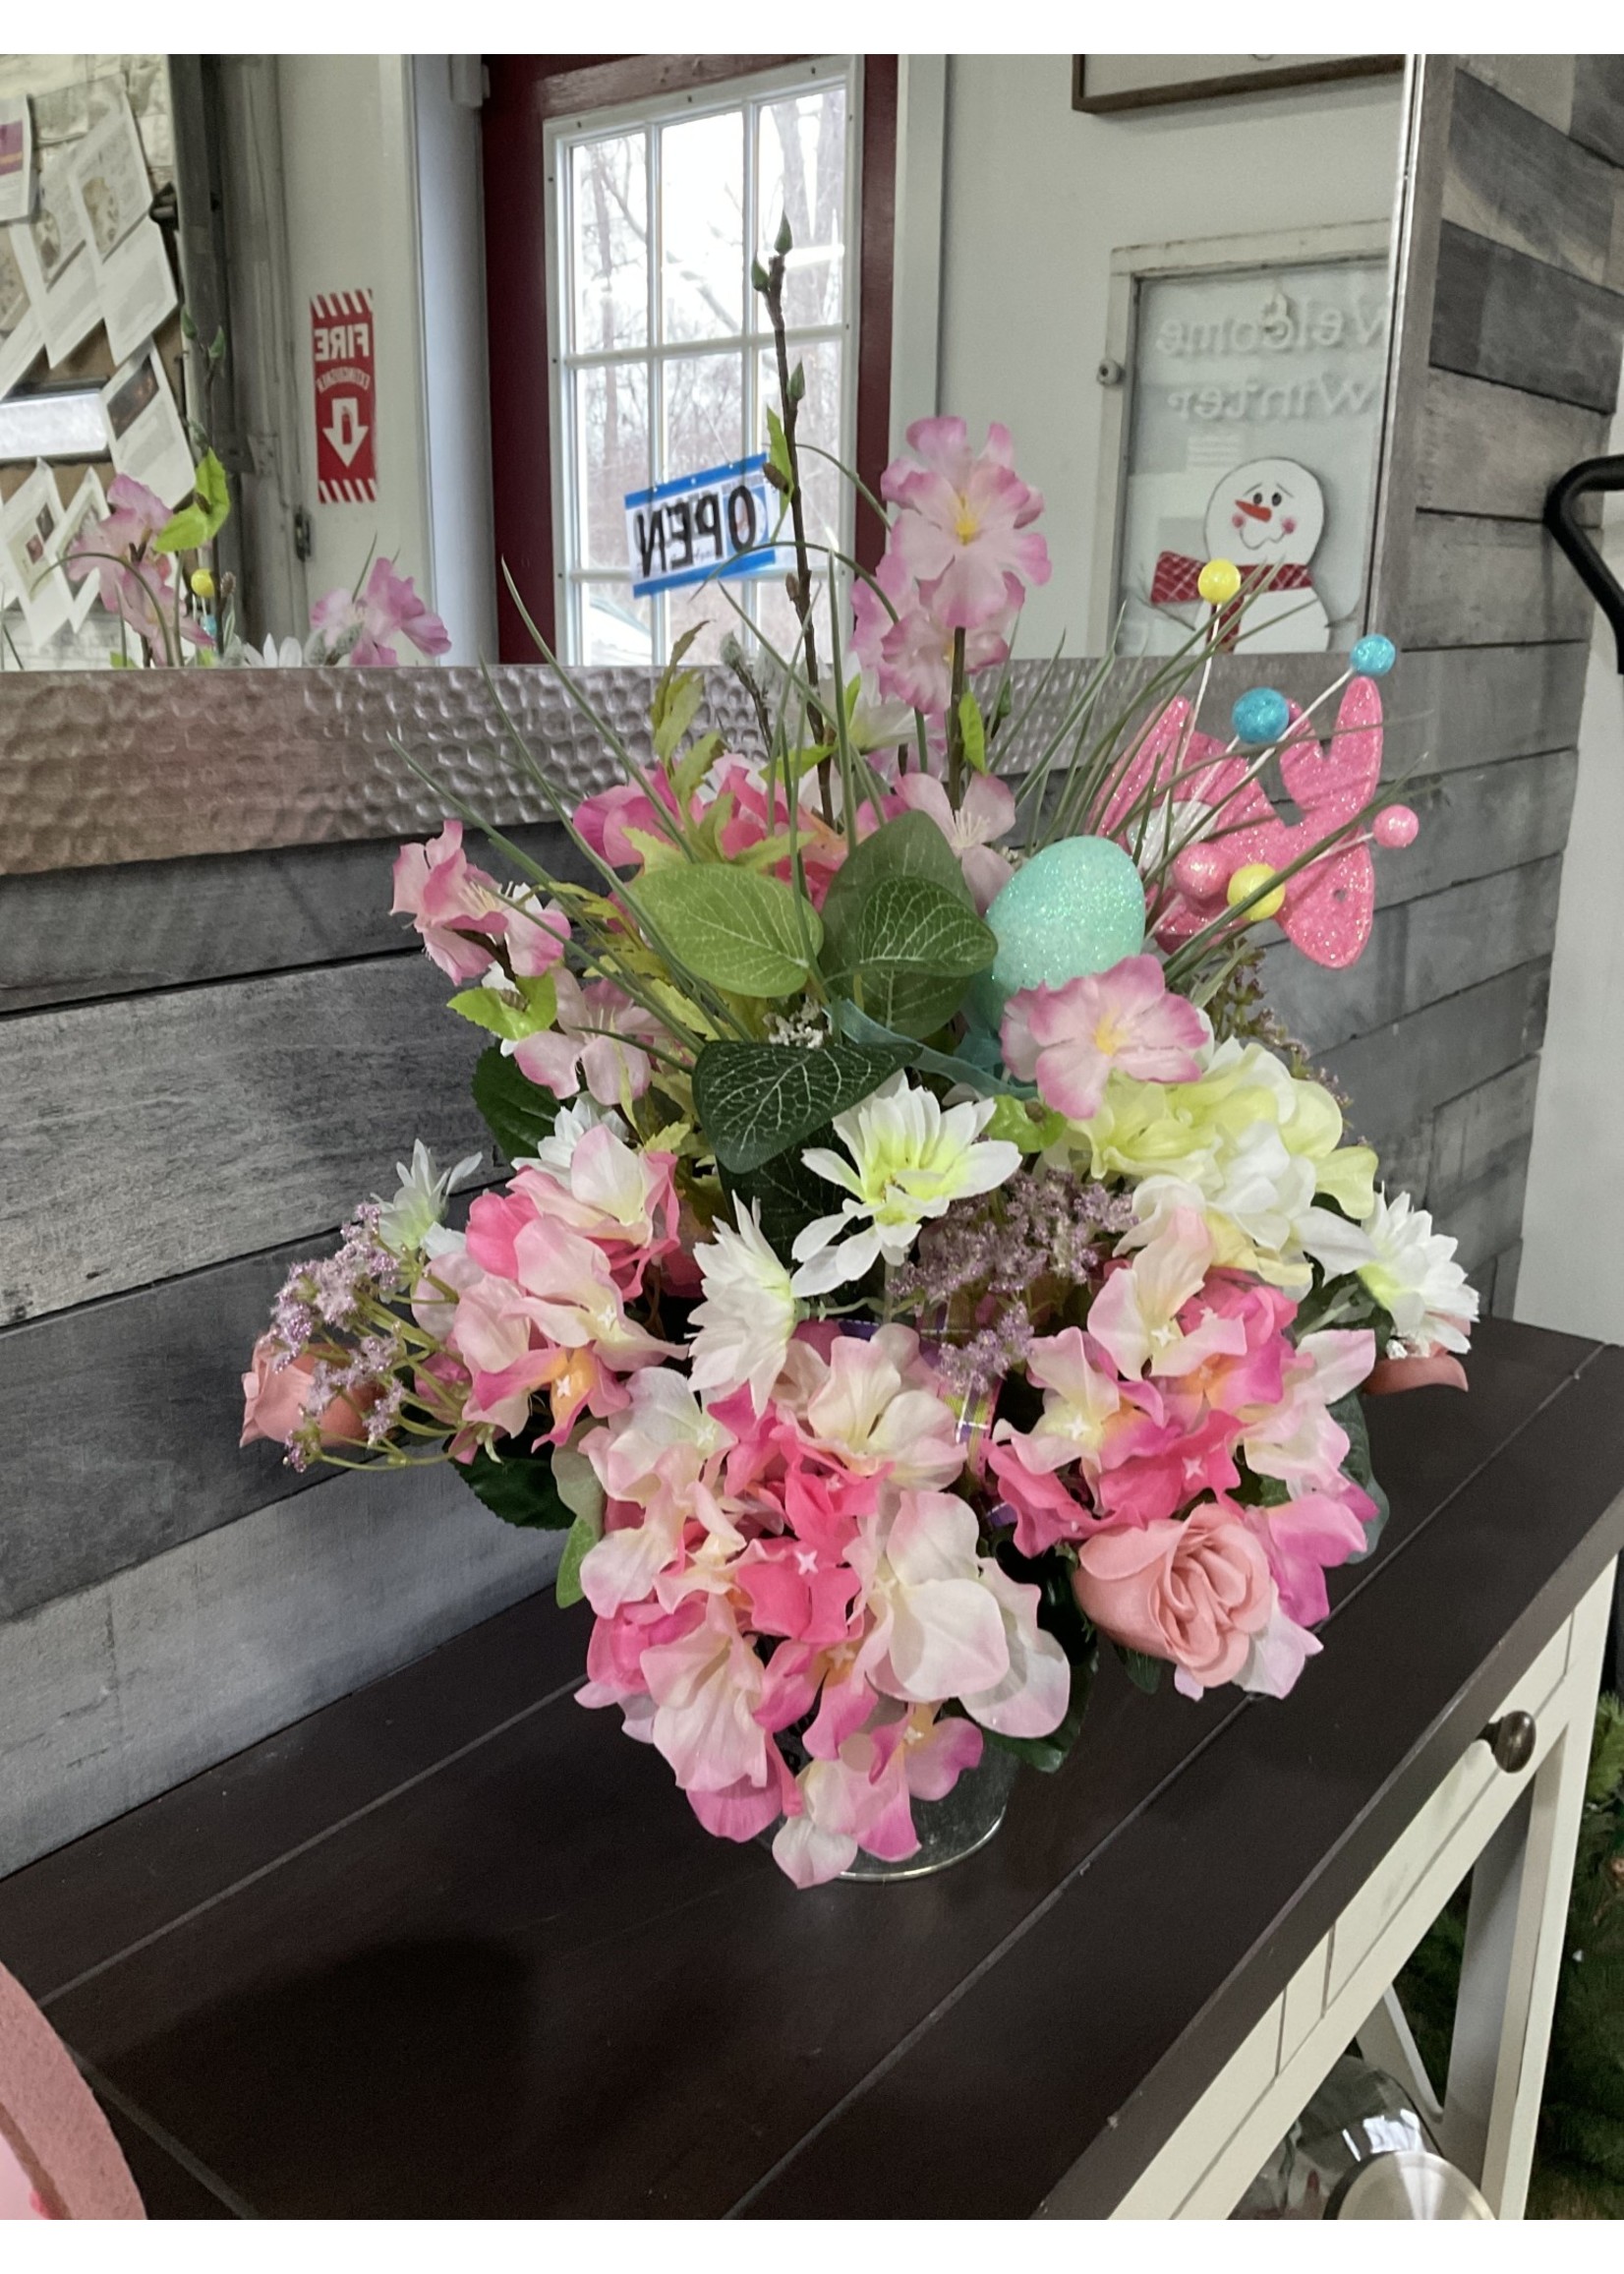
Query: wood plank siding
x=1514, y=332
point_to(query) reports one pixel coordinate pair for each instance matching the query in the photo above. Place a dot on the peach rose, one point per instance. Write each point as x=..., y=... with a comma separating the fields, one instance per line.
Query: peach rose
x=1196, y=1593
x=273, y=1401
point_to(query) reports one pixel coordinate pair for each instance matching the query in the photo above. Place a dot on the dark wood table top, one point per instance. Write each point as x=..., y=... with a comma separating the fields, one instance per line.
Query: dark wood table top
x=453, y=1947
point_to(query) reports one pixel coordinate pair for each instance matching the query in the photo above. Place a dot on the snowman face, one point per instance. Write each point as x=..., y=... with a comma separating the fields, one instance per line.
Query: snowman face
x=1270, y=510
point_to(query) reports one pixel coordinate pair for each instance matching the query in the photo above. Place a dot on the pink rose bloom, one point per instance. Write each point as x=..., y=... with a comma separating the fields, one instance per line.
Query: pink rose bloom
x=390, y=606
x=1196, y=1593
x=966, y=524
x=276, y=1400
x=988, y=812
x=1070, y=1038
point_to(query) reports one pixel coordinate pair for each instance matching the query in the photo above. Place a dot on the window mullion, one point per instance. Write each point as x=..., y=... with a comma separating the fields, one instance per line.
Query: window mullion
x=749, y=354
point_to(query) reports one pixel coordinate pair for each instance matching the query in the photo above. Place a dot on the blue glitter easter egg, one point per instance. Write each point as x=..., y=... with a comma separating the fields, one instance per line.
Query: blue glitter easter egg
x=1075, y=907
x=1261, y=715
x=1373, y=656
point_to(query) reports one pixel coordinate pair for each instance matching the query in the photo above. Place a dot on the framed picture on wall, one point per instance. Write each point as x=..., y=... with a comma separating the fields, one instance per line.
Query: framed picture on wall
x=1245, y=387
x=1108, y=82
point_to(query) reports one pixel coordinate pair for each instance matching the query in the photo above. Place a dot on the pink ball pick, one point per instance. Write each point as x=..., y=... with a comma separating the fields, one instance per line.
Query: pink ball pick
x=1395, y=825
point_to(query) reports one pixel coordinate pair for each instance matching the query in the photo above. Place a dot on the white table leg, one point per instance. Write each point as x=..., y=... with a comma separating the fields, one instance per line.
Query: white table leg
x=1515, y=1931
x=1386, y=2041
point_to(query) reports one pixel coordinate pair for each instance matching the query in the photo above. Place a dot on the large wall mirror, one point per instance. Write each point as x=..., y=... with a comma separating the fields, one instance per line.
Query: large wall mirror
x=372, y=327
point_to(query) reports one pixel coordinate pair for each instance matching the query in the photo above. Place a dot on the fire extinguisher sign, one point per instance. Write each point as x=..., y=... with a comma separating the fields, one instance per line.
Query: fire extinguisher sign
x=346, y=398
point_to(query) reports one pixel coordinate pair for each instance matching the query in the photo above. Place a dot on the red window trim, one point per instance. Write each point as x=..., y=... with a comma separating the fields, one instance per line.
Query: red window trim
x=526, y=90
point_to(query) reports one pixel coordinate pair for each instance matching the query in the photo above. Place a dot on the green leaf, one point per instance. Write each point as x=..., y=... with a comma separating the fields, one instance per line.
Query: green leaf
x=195, y=523
x=909, y=845
x=584, y=1535
x=759, y=276
x=955, y=1066
x=777, y=452
x=755, y=1098
x=517, y=1112
x=675, y=708
x=489, y=1008
x=1348, y=1413
x=788, y=1194
x=519, y=1488
x=695, y=763
x=798, y=384
x=579, y=1490
x=783, y=242
x=973, y=732
x=912, y=953
x=1011, y=1120
x=1143, y=1671
x=731, y=927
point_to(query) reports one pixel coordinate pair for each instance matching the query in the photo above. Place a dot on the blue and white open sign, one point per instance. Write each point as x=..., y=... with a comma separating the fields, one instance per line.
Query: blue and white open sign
x=718, y=523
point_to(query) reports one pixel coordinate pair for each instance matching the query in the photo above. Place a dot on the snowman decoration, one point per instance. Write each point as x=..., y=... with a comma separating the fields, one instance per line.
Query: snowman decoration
x=1269, y=517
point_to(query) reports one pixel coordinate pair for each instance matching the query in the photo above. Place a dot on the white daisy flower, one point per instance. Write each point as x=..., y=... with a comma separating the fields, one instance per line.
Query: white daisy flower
x=912, y=1160
x=1407, y=1267
x=419, y=1204
x=748, y=1314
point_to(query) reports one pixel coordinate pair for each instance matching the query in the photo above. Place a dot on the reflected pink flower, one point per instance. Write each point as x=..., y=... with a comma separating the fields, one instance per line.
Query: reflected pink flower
x=360, y=630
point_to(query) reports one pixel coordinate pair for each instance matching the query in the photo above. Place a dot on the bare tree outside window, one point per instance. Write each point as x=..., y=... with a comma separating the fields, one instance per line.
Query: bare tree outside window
x=664, y=364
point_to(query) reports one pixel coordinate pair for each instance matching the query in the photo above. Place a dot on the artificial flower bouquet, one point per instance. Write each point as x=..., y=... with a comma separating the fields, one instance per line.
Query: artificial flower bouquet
x=923, y=1256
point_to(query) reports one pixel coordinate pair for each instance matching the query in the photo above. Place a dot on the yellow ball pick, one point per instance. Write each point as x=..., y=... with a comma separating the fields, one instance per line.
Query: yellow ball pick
x=1218, y=582
x=1251, y=879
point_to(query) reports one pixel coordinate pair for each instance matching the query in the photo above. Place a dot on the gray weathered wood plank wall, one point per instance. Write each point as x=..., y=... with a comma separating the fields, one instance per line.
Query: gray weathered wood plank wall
x=205, y=1060
x=1509, y=374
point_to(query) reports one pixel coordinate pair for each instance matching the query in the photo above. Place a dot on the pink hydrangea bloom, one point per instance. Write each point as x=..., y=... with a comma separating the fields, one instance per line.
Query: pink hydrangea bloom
x=966, y=523
x=595, y=1040
x=1070, y=1039
x=462, y=915
x=619, y=1197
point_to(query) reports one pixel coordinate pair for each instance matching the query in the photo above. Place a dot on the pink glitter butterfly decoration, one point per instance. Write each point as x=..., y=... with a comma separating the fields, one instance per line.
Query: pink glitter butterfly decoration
x=1329, y=904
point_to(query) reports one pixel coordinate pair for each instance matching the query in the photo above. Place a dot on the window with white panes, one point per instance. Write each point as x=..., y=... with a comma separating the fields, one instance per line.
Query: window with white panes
x=663, y=360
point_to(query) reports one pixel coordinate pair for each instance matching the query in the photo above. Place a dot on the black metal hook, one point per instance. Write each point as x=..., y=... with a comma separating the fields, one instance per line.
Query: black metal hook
x=1590, y=474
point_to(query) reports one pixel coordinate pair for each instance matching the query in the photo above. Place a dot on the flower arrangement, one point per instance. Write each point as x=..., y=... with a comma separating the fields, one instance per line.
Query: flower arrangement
x=923, y=1256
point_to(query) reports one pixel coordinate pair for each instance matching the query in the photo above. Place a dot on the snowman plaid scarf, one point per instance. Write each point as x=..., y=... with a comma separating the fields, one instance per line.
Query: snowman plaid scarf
x=1176, y=584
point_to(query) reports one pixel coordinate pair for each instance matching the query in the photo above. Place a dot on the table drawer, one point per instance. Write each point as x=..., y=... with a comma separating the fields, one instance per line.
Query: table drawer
x=1384, y=1893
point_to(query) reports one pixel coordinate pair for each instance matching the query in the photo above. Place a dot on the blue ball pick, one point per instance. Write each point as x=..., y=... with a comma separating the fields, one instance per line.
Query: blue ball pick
x=1261, y=715
x=1373, y=656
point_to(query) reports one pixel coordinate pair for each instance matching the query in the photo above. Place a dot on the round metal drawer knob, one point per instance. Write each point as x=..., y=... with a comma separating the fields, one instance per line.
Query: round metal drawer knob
x=1511, y=1740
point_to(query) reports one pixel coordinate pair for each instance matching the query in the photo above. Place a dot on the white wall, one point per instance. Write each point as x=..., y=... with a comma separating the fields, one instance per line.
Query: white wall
x=451, y=231
x=1038, y=195
x=1572, y=1271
